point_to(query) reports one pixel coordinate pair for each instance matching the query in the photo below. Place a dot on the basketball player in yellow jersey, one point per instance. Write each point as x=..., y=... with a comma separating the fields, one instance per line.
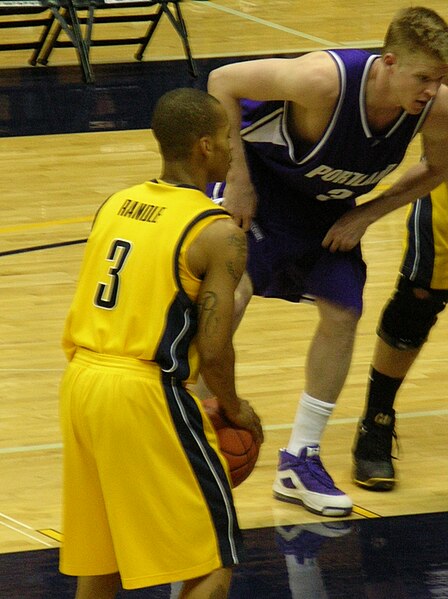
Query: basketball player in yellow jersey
x=421, y=294
x=147, y=498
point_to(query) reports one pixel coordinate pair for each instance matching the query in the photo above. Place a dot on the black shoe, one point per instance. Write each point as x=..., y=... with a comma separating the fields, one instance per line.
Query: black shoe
x=372, y=453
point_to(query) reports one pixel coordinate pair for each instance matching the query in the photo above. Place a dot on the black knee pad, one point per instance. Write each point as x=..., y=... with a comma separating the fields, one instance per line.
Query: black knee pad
x=406, y=319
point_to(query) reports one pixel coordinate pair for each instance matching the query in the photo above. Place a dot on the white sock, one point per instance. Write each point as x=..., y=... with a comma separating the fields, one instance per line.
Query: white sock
x=311, y=419
x=305, y=580
x=176, y=588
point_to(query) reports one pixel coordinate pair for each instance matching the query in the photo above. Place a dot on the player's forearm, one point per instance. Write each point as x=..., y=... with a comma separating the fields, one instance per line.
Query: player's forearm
x=416, y=182
x=348, y=230
x=219, y=88
x=218, y=372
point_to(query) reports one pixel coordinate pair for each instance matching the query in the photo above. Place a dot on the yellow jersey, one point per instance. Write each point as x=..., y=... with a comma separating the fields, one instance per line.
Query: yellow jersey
x=136, y=295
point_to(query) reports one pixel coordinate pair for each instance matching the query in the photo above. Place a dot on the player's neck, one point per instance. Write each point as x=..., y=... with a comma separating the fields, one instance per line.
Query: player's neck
x=381, y=105
x=177, y=174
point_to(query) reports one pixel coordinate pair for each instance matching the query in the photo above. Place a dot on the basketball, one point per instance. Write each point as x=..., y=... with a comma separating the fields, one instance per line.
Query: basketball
x=236, y=444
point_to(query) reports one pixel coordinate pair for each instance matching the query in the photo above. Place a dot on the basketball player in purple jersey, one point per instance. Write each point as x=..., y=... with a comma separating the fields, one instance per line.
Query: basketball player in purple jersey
x=309, y=136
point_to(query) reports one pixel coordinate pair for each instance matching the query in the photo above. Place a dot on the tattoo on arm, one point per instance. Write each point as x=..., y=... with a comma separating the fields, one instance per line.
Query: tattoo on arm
x=236, y=266
x=207, y=311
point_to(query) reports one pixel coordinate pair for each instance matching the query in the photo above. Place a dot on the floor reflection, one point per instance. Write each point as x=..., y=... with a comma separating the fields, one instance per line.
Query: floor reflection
x=384, y=558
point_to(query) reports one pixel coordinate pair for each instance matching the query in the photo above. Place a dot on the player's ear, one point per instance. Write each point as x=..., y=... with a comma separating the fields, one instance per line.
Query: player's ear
x=389, y=59
x=205, y=145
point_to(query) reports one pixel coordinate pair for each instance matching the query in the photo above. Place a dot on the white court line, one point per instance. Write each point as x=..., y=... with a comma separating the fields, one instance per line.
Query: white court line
x=279, y=427
x=270, y=24
x=22, y=532
x=15, y=521
x=268, y=427
x=22, y=525
x=364, y=44
x=30, y=448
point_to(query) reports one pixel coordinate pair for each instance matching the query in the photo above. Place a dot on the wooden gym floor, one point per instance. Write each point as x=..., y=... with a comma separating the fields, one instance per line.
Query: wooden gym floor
x=64, y=148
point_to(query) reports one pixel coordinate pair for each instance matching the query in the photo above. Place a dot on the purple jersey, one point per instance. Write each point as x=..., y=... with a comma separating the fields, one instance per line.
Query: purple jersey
x=303, y=191
x=349, y=159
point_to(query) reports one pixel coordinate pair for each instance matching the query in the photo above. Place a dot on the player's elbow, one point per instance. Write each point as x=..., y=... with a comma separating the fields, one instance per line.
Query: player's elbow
x=211, y=82
x=218, y=82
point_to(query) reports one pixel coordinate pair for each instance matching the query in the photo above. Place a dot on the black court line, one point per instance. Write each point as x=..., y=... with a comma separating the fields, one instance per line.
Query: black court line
x=47, y=246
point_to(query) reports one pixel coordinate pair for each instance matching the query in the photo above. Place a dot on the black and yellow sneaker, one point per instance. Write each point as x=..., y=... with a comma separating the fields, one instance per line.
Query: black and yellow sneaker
x=372, y=453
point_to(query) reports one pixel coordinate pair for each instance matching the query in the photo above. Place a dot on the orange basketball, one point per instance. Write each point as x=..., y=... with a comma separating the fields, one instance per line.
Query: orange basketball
x=236, y=444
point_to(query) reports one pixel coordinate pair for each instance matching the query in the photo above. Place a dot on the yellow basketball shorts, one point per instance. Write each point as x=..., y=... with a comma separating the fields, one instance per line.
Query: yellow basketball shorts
x=145, y=491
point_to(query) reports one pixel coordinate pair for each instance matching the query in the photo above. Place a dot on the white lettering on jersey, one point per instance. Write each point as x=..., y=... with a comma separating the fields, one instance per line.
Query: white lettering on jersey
x=349, y=178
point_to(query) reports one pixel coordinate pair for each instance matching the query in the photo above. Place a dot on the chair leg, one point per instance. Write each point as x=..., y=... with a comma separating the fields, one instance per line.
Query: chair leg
x=79, y=44
x=184, y=36
x=68, y=21
x=179, y=25
x=49, y=41
x=155, y=21
x=42, y=40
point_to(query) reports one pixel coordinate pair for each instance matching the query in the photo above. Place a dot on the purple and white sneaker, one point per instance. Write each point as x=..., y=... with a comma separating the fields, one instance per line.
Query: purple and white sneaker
x=305, y=481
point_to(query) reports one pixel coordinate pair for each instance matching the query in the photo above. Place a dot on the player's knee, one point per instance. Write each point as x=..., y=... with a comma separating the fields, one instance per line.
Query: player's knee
x=409, y=316
x=337, y=320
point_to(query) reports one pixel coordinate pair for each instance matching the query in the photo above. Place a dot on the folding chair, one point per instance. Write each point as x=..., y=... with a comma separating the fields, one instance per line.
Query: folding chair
x=59, y=13
x=95, y=15
x=10, y=9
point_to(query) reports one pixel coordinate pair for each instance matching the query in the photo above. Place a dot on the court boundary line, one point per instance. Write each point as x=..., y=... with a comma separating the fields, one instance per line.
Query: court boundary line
x=270, y=24
x=360, y=511
x=20, y=531
x=269, y=427
x=46, y=246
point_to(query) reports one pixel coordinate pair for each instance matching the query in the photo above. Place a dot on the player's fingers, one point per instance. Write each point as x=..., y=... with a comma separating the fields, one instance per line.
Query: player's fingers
x=258, y=428
x=260, y=434
x=327, y=240
x=331, y=244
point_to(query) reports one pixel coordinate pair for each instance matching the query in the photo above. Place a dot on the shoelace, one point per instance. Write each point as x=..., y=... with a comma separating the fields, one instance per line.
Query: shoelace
x=397, y=445
x=381, y=436
x=317, y=469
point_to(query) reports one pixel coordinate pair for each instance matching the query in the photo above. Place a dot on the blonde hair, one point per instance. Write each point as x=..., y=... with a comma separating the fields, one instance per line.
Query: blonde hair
x=418, y=29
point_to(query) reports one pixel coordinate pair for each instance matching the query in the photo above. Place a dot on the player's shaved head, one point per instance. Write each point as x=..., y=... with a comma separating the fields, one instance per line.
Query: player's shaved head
x=181, y=117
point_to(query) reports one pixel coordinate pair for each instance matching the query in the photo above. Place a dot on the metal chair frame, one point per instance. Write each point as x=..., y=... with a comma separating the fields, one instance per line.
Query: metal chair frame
x=69, y=15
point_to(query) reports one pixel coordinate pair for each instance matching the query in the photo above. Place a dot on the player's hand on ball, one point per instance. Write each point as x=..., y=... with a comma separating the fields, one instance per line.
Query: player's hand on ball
x=247, y=418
